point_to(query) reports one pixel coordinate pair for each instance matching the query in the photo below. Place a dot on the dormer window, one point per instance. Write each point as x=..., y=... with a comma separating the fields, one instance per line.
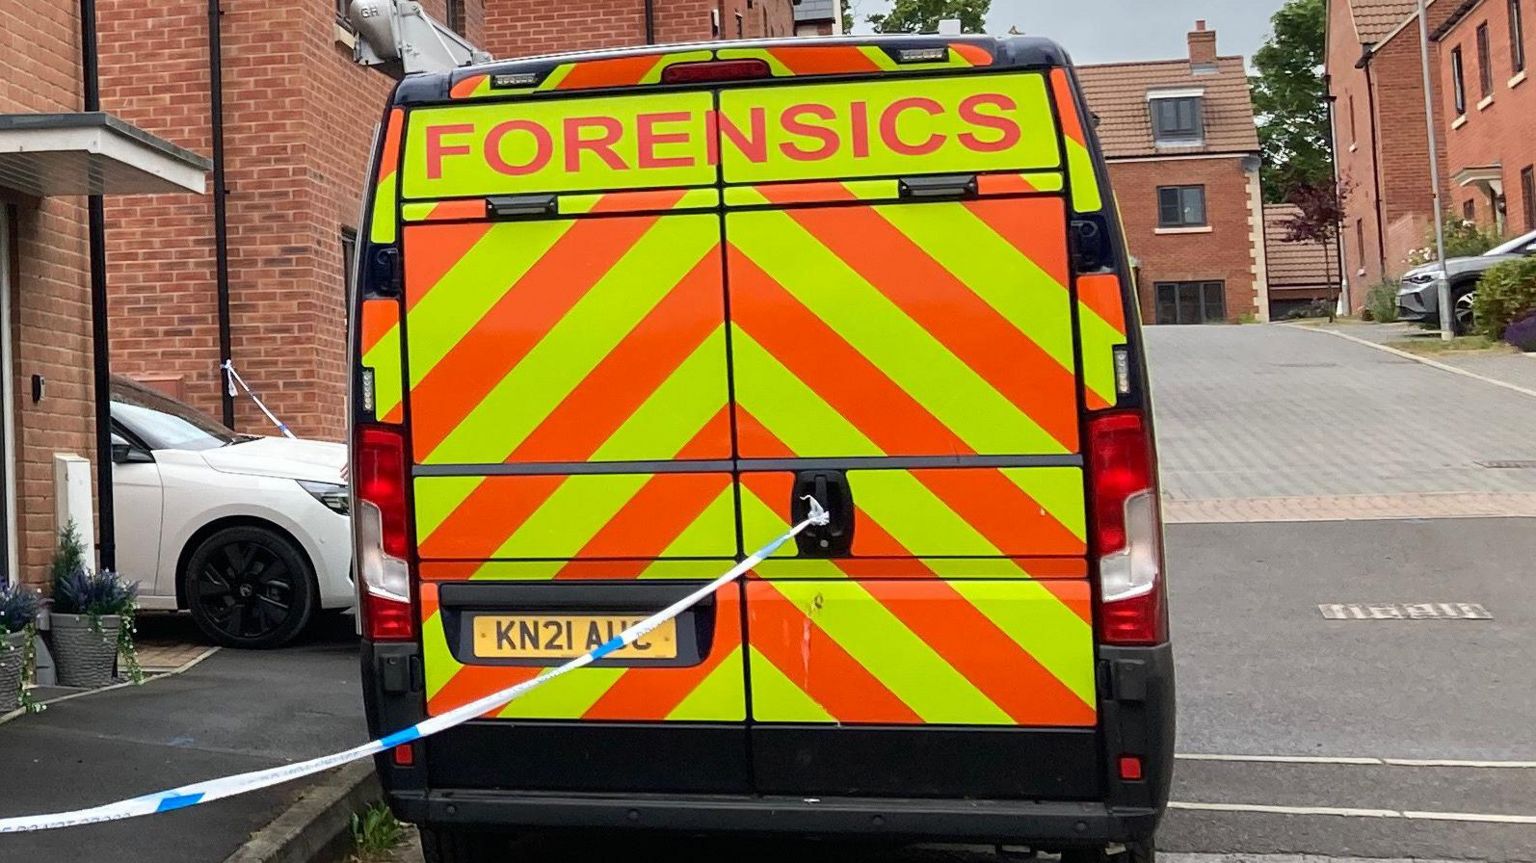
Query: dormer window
x=1177, y=116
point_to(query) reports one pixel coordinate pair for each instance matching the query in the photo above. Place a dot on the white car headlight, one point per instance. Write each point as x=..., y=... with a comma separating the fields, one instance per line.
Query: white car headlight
x=333, y=496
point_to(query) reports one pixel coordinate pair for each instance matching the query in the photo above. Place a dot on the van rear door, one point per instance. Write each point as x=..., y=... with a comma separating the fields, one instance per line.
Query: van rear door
x=571, y=434
x=903, y=348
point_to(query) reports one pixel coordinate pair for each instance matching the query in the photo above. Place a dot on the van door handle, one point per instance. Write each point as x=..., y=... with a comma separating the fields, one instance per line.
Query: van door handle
x=945, y=186
x=830, y=488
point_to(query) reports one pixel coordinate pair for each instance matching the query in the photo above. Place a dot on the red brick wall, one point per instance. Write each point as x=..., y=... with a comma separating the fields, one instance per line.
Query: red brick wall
x=1502, y=132
x=1403, y=139
x=1398, y=162
x=50, y=288
x=1224, y=253
x=299, y=116
x=519, y=28
x=1356, y=157
x=759, y=18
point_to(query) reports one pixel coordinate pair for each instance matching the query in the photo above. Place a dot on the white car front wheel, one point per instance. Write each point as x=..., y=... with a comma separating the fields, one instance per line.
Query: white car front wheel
x=249, y=587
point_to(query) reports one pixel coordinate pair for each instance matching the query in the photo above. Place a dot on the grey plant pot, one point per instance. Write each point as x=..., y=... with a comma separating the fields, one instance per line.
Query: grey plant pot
x=84, y=656
x=12, y=653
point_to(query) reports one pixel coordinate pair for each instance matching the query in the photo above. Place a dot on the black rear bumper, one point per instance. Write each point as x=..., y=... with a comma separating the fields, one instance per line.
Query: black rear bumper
x=982, y=821
x=1047, y=788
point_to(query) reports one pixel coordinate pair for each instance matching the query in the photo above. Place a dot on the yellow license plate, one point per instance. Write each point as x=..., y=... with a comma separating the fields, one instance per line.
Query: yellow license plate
x=562, y=636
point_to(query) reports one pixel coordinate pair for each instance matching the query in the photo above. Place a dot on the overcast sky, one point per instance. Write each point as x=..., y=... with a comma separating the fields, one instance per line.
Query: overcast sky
x=1104, y=31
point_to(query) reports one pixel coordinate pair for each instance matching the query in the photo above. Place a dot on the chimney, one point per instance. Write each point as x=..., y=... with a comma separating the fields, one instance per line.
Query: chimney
x=1202, y=46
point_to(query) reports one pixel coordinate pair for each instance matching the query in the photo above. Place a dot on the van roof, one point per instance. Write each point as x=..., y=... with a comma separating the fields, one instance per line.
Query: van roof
x=1005, y=52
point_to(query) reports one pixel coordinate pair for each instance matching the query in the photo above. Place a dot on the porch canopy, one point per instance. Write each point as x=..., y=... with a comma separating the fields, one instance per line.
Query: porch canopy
x=92, y=153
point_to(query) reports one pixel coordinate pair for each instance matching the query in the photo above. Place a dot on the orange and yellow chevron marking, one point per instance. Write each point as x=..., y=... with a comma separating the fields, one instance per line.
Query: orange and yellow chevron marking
x=1101, y=321
x=505, y=339
x=816, y=191
x=923, y=329
x=381, y=221
x=649, y=199
x=971, y=568
x=471, y=517
x=713, y=690
x=380, y=349
x=457, y=210
x=1086, y=197
x=787, y=61
x=1014, y=184
x=911, y=652
x=627, y=71
x=663, y=569
x=951, y=512
x=472, y=87
x=588, y=516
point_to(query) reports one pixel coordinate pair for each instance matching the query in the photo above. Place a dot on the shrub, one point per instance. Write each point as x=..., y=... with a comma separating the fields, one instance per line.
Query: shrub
x=94, y=593
x=1381, y=301
x=18, y=608
x=1463, y=239
x=69, y=556
x=1505, y=294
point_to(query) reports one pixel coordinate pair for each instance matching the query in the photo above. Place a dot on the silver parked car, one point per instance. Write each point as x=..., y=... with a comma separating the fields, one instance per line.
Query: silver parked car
x=1419, y=298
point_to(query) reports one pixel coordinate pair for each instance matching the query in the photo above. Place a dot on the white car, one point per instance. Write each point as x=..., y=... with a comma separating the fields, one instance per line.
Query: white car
x=250, y=534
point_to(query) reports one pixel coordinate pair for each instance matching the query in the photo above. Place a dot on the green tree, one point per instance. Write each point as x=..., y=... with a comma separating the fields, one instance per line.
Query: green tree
x=923, y=16
x=845, y=8
x=1292, y=102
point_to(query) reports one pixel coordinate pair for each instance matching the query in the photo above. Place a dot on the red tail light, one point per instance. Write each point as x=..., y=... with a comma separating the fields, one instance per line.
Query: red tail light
x=1127, y=530
x=715, y=70
x=380, y=528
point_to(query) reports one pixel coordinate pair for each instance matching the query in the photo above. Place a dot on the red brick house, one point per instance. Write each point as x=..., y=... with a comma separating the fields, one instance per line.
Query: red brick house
x=1375, y=79
x=297, y=122
x=54, y=151
x=1489, y=111
x=1183, y=157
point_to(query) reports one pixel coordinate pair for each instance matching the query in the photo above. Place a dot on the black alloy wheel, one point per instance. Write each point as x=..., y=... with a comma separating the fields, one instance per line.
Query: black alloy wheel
x=1464, y=313
x=249, y=587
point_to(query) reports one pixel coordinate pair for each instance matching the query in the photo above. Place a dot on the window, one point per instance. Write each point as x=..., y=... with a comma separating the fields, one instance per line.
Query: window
x=1458, y=81
x=1484, y=61
x=1191, y=302
x=1180, y=206
x=740, y=28
x=1469, y=210
x=1177, y=119
x=341, y=13
x=1528, y=196
x=1516, y=38
x=1354, y=136
x=454, y=13
x=348, y=257
x=1360, y=242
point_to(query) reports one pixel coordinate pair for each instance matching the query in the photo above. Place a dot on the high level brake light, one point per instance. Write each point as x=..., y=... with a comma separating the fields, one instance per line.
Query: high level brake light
x=382, y=540
x=1127, y=530
x=715, y=70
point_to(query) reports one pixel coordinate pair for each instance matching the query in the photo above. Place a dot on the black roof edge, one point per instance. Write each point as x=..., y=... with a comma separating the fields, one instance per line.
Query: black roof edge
x=1007, y=52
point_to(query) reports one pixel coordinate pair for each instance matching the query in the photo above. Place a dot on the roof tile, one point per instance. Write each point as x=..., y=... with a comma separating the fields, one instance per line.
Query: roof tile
x=1296, y=264
x=1117, y=93
x=1374, y=19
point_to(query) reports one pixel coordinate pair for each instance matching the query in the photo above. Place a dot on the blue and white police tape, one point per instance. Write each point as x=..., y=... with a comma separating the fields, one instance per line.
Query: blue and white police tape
x=228, y=786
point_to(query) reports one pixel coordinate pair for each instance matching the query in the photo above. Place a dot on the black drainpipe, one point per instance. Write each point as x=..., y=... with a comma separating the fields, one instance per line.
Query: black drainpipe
x=1381, y=219
x=220, y=193
x=106, y=536
x=650, y=22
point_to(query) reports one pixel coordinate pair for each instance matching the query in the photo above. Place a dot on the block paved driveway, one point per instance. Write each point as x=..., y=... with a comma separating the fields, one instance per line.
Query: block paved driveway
x=1267, y=423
